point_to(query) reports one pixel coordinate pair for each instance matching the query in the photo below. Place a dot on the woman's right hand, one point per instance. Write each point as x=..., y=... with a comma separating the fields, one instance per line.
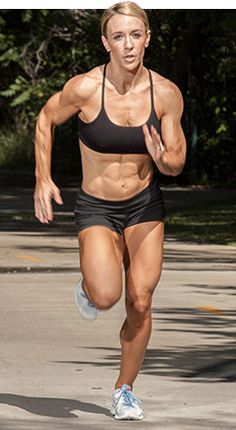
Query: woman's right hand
x=45, y=191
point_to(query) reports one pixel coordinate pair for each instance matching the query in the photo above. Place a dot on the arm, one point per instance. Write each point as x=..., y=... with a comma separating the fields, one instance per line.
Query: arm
x=58, y=109
x=170, y=152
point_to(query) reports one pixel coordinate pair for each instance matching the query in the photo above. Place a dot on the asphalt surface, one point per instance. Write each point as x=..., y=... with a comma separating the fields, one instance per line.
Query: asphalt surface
x=57, y=371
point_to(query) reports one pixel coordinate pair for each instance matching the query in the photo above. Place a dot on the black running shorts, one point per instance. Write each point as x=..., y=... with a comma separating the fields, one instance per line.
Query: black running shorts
x=117, y=215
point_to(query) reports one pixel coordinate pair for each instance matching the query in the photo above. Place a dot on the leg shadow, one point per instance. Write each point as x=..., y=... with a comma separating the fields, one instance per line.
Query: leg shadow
x=51, y=407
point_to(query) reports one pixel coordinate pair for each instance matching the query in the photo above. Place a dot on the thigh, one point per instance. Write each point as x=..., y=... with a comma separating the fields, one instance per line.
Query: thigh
x=101, y=255
x=143, y=257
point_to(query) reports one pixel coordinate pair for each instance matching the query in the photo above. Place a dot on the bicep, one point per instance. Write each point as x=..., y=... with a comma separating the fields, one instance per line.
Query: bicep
x=172, y=133
x=59, y=108
x=171, y=128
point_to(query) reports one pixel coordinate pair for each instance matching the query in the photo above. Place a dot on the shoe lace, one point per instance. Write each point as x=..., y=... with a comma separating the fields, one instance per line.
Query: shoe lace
x=89, y=303
x=128, y=398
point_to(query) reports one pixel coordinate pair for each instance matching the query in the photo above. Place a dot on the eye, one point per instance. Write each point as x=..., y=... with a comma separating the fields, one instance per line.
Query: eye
x=136, y=35
x=118, y=37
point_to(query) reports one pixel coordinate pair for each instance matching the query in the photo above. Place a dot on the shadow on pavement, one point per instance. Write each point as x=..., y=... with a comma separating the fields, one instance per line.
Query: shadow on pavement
x=185, y=422
x=203, y=363
x=51, y=407
x=211, y=359
x=206, y=259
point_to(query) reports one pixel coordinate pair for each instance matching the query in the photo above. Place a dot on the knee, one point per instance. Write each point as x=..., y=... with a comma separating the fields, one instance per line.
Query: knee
x=140, y=307
x=105, y=299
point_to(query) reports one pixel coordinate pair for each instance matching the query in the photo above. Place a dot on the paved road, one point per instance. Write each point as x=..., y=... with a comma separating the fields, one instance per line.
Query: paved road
x=57, y=370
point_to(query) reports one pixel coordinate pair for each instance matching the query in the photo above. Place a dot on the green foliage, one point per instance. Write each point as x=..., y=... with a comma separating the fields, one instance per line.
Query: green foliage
x=19, y=89
x=197, y=50
x=41, y=49
x=16, y=150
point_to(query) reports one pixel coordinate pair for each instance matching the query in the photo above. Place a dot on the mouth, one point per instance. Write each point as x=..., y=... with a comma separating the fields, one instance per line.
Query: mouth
x=129, y=57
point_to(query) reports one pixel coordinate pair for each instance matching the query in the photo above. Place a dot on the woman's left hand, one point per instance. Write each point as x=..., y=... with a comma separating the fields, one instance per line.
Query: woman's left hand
x=153, y=142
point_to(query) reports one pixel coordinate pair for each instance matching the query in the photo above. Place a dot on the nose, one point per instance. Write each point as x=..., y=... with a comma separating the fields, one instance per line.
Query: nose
x=128, y=43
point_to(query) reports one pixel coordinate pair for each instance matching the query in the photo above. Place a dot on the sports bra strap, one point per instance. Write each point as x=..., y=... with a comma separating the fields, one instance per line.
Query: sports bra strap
x=151, y=91
x=103, y=85
x=151, y=87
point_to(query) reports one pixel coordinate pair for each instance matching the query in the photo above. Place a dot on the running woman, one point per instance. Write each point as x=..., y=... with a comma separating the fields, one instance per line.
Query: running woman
x=129, y=118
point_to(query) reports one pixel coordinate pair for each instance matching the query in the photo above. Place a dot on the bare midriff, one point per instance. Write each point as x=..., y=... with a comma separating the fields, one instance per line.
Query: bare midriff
x=114, y=176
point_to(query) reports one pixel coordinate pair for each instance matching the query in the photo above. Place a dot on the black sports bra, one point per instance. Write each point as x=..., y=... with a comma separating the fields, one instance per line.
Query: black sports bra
x=102, y=135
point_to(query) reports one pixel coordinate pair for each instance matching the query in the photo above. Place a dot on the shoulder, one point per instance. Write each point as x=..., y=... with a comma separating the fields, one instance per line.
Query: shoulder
x=167, y=93
x=164, y=86
x=83, y=86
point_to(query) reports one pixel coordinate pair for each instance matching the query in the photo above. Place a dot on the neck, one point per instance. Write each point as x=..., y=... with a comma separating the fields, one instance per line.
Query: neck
x=124, y=80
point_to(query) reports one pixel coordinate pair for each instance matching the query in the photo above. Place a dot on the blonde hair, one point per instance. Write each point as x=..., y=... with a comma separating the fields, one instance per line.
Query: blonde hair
x=123, y=8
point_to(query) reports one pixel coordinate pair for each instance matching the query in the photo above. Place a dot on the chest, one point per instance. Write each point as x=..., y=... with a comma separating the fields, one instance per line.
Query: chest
x=131, y=109
x=128, y=110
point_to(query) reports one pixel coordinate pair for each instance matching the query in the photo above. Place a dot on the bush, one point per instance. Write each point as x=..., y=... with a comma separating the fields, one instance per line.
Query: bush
x=16, y=149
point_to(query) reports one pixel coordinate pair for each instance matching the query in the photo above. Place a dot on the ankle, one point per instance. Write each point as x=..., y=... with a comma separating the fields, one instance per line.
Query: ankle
x=84, y=288
x=119, y=385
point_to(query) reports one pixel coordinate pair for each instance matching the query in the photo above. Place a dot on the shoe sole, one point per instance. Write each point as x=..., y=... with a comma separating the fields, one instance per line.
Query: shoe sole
x=128, y=417
x=85, y=316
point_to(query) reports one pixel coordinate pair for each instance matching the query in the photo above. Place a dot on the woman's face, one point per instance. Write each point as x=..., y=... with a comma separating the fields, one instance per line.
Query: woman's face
x=126, y=40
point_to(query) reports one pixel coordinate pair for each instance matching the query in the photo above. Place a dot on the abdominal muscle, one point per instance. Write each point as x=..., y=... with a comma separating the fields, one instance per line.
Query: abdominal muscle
x=114, y=176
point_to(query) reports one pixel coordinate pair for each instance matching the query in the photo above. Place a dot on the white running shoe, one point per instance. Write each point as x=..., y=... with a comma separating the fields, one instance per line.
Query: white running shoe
x=84, y=306
x=125, y=406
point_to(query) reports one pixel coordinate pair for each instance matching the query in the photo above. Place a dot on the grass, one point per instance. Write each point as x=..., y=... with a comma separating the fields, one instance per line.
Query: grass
x=213, y=222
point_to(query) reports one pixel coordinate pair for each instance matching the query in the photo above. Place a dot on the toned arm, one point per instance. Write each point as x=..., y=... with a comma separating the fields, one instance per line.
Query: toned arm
x=170, y=153
x=58, y=109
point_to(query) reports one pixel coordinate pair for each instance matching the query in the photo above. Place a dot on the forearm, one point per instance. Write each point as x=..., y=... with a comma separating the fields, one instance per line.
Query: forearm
x=43, y=148
x=170, y=163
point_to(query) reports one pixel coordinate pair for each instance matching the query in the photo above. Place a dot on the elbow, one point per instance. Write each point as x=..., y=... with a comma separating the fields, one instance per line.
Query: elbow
x=179, y=163
x=173, y=167
x=178, y=169
x=44, y=122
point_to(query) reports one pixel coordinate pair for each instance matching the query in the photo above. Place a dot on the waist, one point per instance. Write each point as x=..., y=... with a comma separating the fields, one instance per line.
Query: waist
x=114, y=177
x=116, y=189
x=149, y=188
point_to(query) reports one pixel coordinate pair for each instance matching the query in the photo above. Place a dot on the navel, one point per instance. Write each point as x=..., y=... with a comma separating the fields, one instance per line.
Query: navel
x=124, y=185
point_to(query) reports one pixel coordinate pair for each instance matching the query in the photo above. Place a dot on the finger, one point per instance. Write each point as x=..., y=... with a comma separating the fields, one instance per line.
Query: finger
x=37, y=210
x=146, y=131
x=156, y=136
x=39, y=213
x=57, y=197
x=147, y=136
x=43, y=214
x=150, y=147
x=161, y=146
x=43, y=209
x=47, y=209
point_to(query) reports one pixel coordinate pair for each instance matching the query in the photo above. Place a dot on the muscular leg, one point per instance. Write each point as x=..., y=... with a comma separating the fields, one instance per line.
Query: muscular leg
x=101, y=255
x=143, y=264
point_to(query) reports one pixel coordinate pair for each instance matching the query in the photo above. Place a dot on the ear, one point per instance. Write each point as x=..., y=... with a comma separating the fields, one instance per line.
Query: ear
x=106, y=44
x=148, y=37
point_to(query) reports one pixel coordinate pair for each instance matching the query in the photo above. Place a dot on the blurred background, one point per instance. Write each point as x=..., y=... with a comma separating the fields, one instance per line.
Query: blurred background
x=41, y=49
x=196, y=49
x=54, y=366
